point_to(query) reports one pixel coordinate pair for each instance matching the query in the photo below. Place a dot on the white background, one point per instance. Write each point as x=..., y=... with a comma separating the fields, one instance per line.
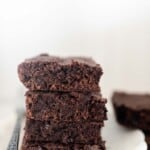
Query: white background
x=116, y=33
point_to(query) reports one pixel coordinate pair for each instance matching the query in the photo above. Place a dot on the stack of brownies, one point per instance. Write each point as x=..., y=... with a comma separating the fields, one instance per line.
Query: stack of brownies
x=64, y=107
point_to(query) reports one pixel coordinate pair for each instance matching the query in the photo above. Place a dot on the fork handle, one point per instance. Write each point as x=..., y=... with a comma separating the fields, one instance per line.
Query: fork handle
x=14, y=141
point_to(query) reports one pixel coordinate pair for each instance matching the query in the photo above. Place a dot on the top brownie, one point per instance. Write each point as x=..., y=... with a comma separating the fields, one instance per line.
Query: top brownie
x=49, y=73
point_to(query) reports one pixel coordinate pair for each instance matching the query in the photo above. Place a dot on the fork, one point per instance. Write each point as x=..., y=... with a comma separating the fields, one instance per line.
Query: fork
x=14, y=141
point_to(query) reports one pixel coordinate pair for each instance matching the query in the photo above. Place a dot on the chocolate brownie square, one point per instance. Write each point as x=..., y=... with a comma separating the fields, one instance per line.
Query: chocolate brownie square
x=57, y=146
x=132, y=110
x=63, y=132
x=62, y=106
x=49, y=73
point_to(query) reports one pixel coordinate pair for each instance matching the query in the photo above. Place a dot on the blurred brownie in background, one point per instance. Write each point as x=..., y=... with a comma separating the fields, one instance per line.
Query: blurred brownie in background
x=133, y=111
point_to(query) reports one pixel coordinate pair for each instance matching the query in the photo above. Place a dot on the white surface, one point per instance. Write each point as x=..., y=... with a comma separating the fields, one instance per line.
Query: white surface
x=115, y=33
x=7, y=122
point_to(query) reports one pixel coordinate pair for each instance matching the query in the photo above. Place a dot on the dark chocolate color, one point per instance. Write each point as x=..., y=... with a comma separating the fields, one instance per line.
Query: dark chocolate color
x=53, y=146
x=48, y=73
x=132, y=110
x=70, y=107
x=63, y=132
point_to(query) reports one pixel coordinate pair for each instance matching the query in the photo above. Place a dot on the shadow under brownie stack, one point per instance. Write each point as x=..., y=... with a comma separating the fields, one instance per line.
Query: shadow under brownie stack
x=64, y=107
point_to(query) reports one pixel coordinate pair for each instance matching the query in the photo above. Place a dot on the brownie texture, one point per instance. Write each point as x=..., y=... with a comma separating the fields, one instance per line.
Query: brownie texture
x=49, y=73
x=57, y=146
x=62, y=106
x=63, y=132
x=132, y=110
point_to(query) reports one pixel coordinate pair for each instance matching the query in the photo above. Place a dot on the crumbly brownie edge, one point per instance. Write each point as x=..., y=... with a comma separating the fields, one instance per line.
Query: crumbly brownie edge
x=52, y=76
x=55, y=106
x=57, y=146
x=62, y=132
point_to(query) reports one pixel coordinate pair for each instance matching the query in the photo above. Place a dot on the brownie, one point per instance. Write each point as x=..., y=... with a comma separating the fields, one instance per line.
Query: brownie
x=132, y=110
x=62, y=106
x=63, y=132
x=49, y=73
x=57, y=146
